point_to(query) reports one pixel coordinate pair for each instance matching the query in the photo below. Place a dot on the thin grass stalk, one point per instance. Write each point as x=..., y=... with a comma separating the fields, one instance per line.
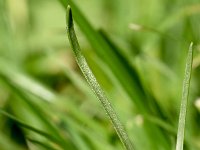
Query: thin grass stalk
x=184, y=100
x=94, y=83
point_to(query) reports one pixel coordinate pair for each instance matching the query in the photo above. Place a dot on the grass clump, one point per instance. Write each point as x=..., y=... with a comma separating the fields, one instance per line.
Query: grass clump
x=136, y=51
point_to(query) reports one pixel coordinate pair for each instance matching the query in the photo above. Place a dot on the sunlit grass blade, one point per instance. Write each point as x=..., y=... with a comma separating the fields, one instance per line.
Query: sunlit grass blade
x=94, y=84
x=184, y=100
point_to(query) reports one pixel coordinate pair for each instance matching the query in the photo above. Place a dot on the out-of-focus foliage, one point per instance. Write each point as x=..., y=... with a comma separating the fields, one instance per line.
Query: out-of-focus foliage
x=137, y=50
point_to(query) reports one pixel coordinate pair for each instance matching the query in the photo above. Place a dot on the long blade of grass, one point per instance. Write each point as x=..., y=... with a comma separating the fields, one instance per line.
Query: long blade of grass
x=94, y=84
x=184, y=100
x=120, y=71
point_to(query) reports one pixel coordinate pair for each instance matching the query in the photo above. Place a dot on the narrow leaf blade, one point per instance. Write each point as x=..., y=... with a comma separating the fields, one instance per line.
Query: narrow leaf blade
x=184, y=100
x=94, y=83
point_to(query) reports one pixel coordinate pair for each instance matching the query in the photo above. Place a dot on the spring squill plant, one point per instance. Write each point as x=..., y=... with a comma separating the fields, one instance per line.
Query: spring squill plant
x=100, y=94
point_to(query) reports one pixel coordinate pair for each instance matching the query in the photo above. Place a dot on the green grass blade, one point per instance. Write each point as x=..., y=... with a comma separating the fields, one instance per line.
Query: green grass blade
x=184, y=100
x=132, y=83
x=94, y=84
x=128, y=79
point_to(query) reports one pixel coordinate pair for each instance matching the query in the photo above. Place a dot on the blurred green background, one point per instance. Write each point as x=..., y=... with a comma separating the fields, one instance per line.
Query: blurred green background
x=137, y=50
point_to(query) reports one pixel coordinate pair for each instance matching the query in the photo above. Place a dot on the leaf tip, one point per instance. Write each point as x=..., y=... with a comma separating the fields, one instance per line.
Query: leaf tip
x=191, y=45
x=191, y=51
x=69, y=20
